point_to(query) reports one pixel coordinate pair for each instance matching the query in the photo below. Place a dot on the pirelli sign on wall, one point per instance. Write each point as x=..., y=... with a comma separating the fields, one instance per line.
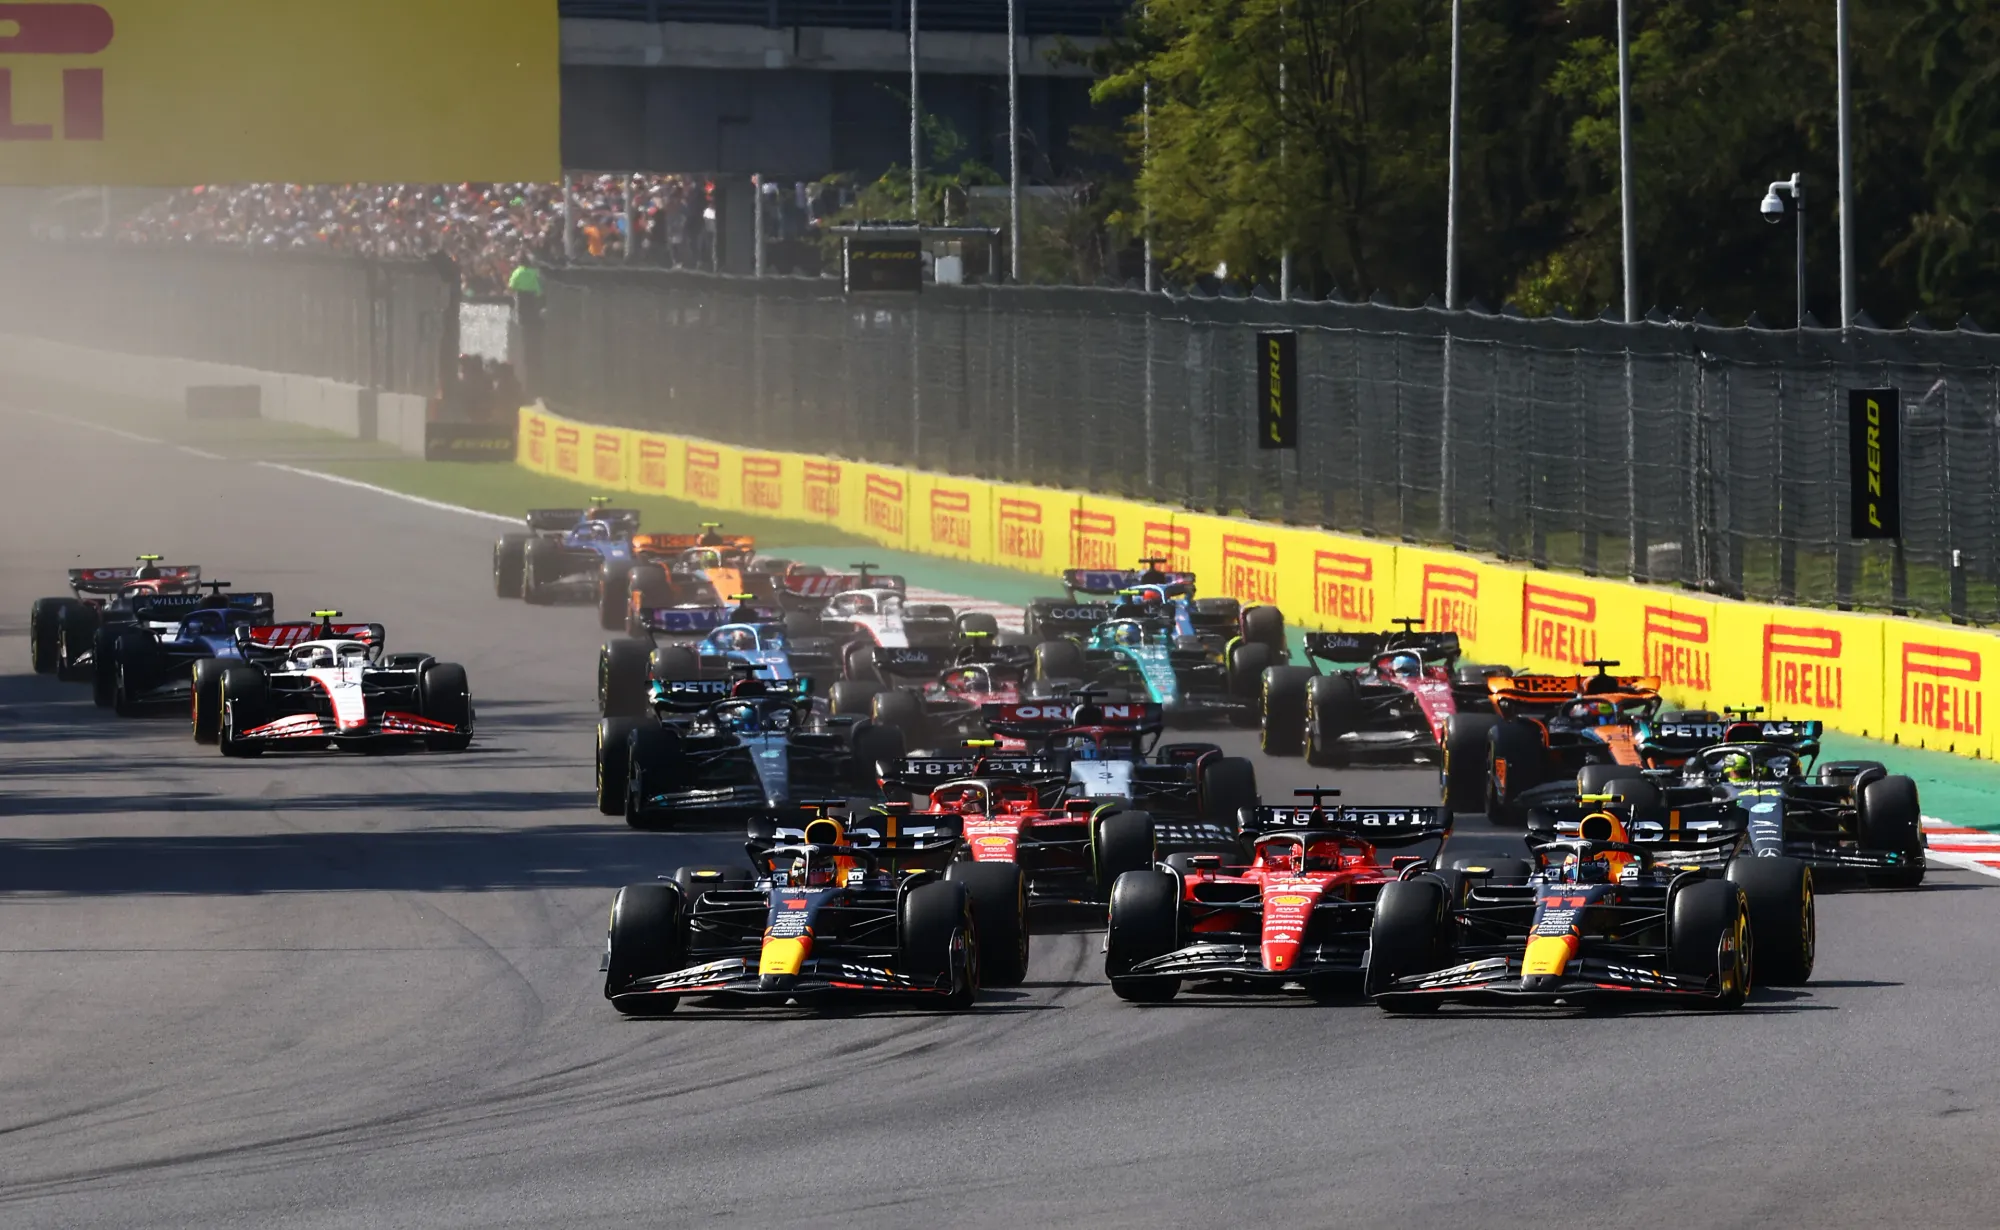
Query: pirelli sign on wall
x=1922, y=684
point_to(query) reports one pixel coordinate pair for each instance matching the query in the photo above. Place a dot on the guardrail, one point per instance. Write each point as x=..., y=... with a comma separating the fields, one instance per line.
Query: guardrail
x=1080, y=18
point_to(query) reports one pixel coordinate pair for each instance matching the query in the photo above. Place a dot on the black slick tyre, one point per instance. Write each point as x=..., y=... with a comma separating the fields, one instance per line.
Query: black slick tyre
x=246, y=703
x=903, y=711
x=1514, y=764
x=508, y=556
x=206, y=710
x=1283, y=703
x=1333, y=709
x=647, y=937
x=649, y=759
x=445, y=696
x=1889, y=818
x=1228, y=784
x=1405, y=938
x=1466, y=740
x=647, y=589
x=999, y=896
x=73, y=640
x=853, y=697
x=934, y=920
x=104, y=667
x=674, y=662
x=1143, y=923
x=1121, y=841
x=1247, y=662
x=874, y=747
x=45, y=625
x=1783, y=917
x=1059, y=661
x=1265, y=625
x=1709, y=936
x=624, y=667
x=538, y=571
x=613, y=763
x=614, y=593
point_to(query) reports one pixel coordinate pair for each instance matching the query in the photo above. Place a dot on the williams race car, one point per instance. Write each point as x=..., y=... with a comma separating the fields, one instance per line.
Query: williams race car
x=150, y=664
x=62, y=631
x=823, y=913
x=564, y=552
x=1396, y=697
x=307, y=687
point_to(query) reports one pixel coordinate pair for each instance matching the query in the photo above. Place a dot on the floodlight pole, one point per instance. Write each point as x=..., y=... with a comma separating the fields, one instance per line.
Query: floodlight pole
x=916, y=137
x=1848, y=307
x=1625, y=167
x=1013, y=141
x=1451, y=177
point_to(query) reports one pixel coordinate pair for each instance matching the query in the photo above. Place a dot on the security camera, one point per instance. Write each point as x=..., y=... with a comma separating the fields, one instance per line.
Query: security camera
x=1773, y=208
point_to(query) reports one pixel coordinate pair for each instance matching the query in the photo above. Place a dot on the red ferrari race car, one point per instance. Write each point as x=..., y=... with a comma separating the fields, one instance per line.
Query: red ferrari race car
x=1297, y=915
x=62, y=632
x=1391, y=696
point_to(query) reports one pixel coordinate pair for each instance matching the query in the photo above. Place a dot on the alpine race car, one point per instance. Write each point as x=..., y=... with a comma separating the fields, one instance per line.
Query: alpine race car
x=1592, y=918
x=723, y=749
x=564, y=552
x=821, y=913
x=1139, y=656
x=1296, y=912
x=1094, y=594
x=1392, y=696
x=1546, y=729
x=307, y=687
x=62, y=631
x=150, y=663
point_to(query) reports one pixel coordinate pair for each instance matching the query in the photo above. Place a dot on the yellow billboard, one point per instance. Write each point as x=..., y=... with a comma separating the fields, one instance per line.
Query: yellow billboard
x=170, y=92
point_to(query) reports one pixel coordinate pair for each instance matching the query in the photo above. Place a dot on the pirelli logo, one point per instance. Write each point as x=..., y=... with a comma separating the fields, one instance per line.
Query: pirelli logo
x=607, y=458
x=701, y=474
x=1676, y=648
x=822, y=488
x=763, y=483
x=1802, y=667
x=568, y=440
x=1250, y=569
x=652, y=464
x=67, y=30
x=1558, y=624
x=1449, y=600
x=1093, y=539
x=882, y=502
x=1344, y=587
x=1167, y=541
x=536, y=439
x=1019, y=530
x=951, y=518
x=1940, y=689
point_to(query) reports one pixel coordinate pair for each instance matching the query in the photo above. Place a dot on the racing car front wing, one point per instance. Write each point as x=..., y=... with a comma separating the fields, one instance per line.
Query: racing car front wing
x=1245, y=963
x=1499, y=980
x=736, y=978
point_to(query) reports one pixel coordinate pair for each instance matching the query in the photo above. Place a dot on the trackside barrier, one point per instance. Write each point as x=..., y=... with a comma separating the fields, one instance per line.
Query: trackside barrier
x=1905, y=680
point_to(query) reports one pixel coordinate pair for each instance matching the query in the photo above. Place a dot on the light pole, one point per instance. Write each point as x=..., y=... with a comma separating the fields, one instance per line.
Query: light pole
x=915, y=138
x=1625, y=166
x=1013, y=142
x=1847, y=305
x=1773, y=210
x=1451, y=180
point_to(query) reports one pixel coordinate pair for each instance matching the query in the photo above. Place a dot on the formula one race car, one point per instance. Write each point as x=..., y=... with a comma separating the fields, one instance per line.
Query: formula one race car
x=1139, y=656
x=307, y=687
x=62, y=631
x=627, y=668
x=150, y=663
x=1397, y=702
x=1298, y=914
x=1096, y=595
x=1548, y=727
x=823, y=913
x=687, y=571
x=863, y=612
x=564, y=552
x=938, y=695
x=715, y=749
x=1594, y=917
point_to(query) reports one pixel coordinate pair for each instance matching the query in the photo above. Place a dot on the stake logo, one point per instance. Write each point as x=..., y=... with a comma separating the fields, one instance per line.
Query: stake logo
x=567, y=440
x=538, y=442
x=1450, y=600
x=823, y=489
x=1344, y=587
x=763, y=483
x=1020, y=525
x=1250, y=569
x=701, y=475
x=1170, y=542
x=882, y=502
x=1558, y=624
x=1802, y=667
x=1093, y=539
x=652, y=464
x=1676, y=648
x=951, y=518
x=56, y=30
x=1935, y=694
x=607, y=458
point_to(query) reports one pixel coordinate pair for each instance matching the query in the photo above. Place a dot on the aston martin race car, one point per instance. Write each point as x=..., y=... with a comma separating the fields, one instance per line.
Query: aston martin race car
x=1393, y=695
x=1140, y=657
x=1591, y=918
x=1293, y=911
x=732, y=749
x=1546, y=729
x=822, y=913
x=149, y=663
x=62, y=631
x=311, y=686
x=564, y=552
x=1096, y=595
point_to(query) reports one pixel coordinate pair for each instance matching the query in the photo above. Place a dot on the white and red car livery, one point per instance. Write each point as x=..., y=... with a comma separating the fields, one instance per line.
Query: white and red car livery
x=313, y=685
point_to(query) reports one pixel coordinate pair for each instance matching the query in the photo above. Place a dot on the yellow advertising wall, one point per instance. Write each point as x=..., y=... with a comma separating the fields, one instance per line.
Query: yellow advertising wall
x=170, y=92
x=1918, y=683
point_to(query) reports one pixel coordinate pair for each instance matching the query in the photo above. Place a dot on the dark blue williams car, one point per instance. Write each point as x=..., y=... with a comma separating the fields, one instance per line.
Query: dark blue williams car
x=149, y=665
x=563, y=553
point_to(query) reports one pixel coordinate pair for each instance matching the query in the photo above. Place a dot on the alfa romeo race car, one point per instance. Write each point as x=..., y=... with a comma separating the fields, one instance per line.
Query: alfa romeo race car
x=1298, y=914
x=1139, y=656
x=564, y=552
x=1547, y=728
x=1394, y=696
x=148, y=664
x=1594, y=917
x=821, y=913
x=307, y=687
x=938, y=695
x=62, y=631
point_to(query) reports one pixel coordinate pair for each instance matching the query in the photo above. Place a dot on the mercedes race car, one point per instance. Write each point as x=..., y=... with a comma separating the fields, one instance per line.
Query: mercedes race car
x=150, y=663
x=62, y=631
x=1392, y=696
x=308, y=687
x=822, y=913
x=1597, y=917
x=564, y=553
x=627, y=669
x=1294, y=913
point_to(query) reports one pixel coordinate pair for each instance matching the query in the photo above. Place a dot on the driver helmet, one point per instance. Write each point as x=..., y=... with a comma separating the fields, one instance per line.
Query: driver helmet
x=1128, y=632
x=742, y=639
x=709, y=538
x=969, y=679
x=596, y=529
x=313, y=656
x=214, y=602
x=1600, y=712
x=1288, y=856
x=808, y=873
x=1736, y=767
x=741, y=718
x=1407, y=665
x=149, y=570
x=1580, y=869
x=1778, y=768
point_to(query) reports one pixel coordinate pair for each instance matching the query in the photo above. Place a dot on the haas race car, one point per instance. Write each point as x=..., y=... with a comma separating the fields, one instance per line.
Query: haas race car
x=149, y=664
x=1291, y=909
x=822, y=912
x=1393, y=696
x=311, y=686
x=62, y=631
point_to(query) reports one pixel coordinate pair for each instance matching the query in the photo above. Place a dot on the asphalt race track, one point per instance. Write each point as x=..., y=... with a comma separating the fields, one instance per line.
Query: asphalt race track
x=347, y=991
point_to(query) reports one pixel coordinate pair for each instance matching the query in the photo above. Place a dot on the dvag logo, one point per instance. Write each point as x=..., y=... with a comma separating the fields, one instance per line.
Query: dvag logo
x=55, y=30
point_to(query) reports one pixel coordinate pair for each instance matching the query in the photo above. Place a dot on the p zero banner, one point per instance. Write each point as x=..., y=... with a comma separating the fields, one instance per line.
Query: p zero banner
x=467, y=442
x=1278, y=390
x=1875, y=461
x=172, y=92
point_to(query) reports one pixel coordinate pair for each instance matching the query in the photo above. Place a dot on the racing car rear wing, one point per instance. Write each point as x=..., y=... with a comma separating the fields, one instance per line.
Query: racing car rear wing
x=1073, y=616
x=1676, y=738
x=693, y=621
x=623, y=521
x=279, y=637
x=111, y=580
x=1107, y=582
x=1367, y=646
x=701, y=693
x=891, y=839
x=1051, y=715
x=926, y=772
x=177, y=605
x=733, y=544
x=1554, y=689
x=827, y=584
x=1378, y=826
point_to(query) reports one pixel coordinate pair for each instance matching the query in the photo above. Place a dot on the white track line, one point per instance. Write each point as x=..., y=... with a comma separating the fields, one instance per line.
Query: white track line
x=87, y=425
x=202, y=453
x=393, y=494
x=1954, y=845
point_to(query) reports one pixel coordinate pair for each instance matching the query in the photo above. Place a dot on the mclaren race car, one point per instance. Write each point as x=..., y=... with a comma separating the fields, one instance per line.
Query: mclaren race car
x=564, y=552
x=310, y=686
x=62, y=632
x=822, y=913
x=686, y=572
x=1393, y=696
x=150, y=663
x=1546, y=729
